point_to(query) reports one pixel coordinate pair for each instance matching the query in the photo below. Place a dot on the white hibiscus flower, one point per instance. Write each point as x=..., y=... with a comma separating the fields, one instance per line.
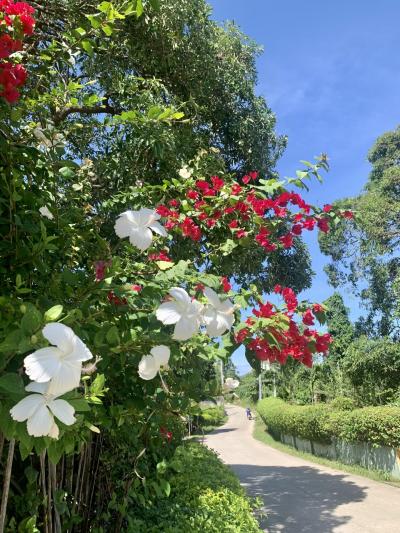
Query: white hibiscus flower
x=185, y=172
x=138, y=226
x=217, y=316
x=150, y=365
x=45, y=212
x=61, y=363
x=39, y=410
x=184, y=312
x=231, y=383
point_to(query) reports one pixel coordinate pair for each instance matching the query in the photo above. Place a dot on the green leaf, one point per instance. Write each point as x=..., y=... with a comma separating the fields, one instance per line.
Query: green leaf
x=164, y=265
x=79, y=404
x=53, y=314
x=139, y=8
x=31, y=321
x=112, y=336
x=12, y=383
x=87, y=46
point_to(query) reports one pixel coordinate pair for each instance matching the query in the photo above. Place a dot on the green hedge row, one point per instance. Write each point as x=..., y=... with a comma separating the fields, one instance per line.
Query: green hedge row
x=205, y=497
x=324, y=422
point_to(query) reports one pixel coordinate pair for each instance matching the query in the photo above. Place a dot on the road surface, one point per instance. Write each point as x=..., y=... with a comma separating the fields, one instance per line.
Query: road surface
x=300, y=496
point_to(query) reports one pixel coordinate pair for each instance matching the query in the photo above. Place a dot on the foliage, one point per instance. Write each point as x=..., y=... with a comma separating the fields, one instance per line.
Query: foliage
x=342, y=403
x=248, y=388
x=322, y=423
x=130, y=106
x=205, y=496
x=373, y=369
x=339, y=326
x=214, y=416
x=364, y=255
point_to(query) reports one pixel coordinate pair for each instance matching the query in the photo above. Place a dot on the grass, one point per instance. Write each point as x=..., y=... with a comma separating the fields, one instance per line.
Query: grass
x=263, y=436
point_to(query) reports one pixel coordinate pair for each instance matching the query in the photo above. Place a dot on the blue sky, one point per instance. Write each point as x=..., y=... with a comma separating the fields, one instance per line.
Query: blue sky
x=330, y=71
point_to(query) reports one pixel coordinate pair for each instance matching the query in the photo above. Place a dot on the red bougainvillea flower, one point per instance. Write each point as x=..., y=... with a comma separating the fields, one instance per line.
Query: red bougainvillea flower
x=265, y=311
x=287, y=240
x=308, y=318
x=11, y=77
x=318, y=308
x=246, y=179
x=236, y=189
x=116, y=300
x=297, y=229
x=161, y=256
x=290, y=299
x=217, y=182
x=8, y=45
x=309, y=224
x=100, y=268
x=348, y=214
x=277, y=289
x=241, y=233
x=327, y=208
x=233, y=224
x=226, y=286
x=174, y=203
x=241, y=335
x=190, y=229
x=323, y=225
x=167, y=435
x=199, y=287
x=136, y=288
x=192, y=195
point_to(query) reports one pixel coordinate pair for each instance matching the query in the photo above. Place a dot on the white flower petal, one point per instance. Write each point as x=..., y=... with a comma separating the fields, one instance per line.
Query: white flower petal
x=45, y=212
x=43, y=364
x=26, y=407
x=169, y=313
x=66, y=379
x=41, y=422
x=123, y=225
x=186, y=328
x=217, y=323
x=147, y=216
x=80, y=353
x=212, y=297
x=59, y=335
x=40, y=388
x=63, y=411
x=180, y=295
x=148, y=367
x=161, y=354
x=158, y=228
x=54, y=431
x=141, y=238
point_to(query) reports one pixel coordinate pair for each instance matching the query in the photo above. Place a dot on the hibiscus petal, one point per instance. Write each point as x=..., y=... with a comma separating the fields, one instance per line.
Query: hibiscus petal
x=148, y=367
x=180, y=295
x=157, y=228
x=219, y=324
x=147, y=216
x=59, y=335
x=40, y=388
x=161, y=354
x=63, y=411
x=80, y=353
x=26, y=407
x=141, y=238
x=185, y=329
x=66, y=379
x=41, y=422
x=212, y=297
x=168, y=313
x=124, y=224
x=227, y=307
x=54, y=431
x=43, y=364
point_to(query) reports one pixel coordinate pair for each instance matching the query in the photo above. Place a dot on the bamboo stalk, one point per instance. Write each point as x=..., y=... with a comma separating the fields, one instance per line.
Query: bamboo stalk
x=6, y=484
x=53, y=477
x=49, y=498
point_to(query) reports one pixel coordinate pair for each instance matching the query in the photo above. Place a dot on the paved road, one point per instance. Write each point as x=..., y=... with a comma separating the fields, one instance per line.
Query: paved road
x=299, y=496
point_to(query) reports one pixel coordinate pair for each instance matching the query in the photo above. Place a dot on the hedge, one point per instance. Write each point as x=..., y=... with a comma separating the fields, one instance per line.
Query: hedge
x=206, y=497
x=324, y=423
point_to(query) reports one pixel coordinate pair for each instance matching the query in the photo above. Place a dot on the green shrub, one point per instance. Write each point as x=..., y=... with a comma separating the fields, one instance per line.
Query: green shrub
x=342, y=403
x=213, y=416
x=323, y=423
x=206, y=497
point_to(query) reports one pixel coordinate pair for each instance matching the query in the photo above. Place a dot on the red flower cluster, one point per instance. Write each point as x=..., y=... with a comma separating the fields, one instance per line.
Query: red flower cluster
x=15, y=21
x=161, y=256
x=294, y=341
x=100, y=268
x=116, y=300
x=226, y=286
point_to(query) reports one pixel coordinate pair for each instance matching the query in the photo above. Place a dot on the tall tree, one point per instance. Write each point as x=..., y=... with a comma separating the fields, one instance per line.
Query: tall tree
x=339, y=326
x=365, y=253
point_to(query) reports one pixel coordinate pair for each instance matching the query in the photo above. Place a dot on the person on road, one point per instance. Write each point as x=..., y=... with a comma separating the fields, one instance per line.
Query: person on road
x=248, y=413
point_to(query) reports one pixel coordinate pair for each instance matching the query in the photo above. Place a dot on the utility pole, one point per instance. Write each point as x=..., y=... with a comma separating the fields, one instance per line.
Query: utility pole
x=259, y=386
x=221, y=367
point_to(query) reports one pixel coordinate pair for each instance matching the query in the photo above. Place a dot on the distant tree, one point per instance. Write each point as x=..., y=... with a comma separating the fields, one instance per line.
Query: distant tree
x=339, y=326
x=365, y=254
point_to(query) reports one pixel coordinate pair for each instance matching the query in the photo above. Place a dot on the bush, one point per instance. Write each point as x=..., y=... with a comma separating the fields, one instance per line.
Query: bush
x=213, y=416
x=205, y=496
x=341, y=403
x=324, y=422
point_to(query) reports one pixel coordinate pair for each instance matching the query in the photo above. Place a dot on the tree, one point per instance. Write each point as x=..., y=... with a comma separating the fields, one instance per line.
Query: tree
x=339, y=326
x=364, y=252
